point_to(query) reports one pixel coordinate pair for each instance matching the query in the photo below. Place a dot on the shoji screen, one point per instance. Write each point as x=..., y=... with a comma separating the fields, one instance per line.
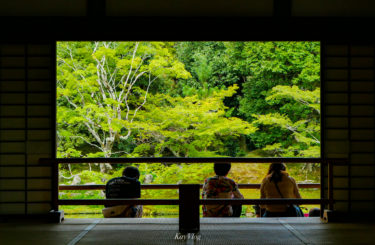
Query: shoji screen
x=26, y=128
x=348, y=122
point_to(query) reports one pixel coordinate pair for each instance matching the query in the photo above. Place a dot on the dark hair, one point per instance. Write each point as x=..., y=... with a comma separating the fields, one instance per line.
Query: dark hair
x=131, y=172
x=222, y=169
x=314, y=212
x=275, y=171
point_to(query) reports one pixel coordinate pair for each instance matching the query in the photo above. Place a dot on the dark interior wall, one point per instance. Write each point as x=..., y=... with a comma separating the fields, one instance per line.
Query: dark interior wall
x=26, y=126
x=348, y=122
x=27, y=90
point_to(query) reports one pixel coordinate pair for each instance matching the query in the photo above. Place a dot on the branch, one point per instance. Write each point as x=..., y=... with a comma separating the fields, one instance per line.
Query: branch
x=145, y=99
x=131, y=64
x=92, y=131
x=128, y=92
x=80, y=137
x=120, y=99
x=120, y=152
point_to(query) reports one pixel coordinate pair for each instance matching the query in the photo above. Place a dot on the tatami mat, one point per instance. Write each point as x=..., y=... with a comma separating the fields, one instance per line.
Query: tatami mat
x=229, y=231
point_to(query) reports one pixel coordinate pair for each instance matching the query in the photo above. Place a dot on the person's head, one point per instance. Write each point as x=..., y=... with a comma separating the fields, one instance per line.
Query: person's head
x=131, y=172
x=222, y=169
x=275, y=171
x=314, y=212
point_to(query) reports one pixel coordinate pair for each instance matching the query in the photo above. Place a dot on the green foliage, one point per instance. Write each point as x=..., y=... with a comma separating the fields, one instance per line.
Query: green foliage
x=187, y=126
x=101, y=88
x=304, y=132
x=274, y=77
x=281, y=78
x=186, y=99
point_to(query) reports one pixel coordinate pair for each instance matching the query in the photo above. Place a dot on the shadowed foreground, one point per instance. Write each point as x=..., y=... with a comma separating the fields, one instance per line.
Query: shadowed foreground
x=165, y=231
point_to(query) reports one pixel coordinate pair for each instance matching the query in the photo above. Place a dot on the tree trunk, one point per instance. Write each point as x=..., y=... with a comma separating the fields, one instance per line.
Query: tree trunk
x=105, y=167
x=243, y=145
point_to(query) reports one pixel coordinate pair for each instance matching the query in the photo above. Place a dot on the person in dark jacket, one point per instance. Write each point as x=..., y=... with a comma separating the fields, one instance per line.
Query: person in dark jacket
x=126, y=186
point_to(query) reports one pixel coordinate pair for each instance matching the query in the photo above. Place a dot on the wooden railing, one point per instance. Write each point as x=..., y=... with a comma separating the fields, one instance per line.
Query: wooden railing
x=171, y=186
x=176, y=201
x=188, y=199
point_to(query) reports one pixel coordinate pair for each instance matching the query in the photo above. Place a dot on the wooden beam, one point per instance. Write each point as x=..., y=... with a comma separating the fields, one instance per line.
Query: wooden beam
x=133, y=201
x=282, y=8
x=96, y=8
x=186, y=28
x=184, y=160
x=171, y=186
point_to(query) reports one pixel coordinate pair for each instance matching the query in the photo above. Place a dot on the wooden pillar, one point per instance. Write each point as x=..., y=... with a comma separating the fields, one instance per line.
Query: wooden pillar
x=189, y=208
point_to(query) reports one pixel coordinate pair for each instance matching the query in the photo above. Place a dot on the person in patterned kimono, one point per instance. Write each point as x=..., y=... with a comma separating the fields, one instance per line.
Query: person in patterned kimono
x=220, y=186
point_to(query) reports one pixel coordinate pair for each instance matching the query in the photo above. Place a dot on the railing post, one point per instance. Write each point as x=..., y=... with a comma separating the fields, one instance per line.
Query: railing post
x=55, y=215
x=330, y=185
x=329, y=215
x=189, y=208
x=55, y=185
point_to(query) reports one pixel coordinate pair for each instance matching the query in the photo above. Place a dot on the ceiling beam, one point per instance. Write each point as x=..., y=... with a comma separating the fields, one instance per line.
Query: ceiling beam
x=282, y=8
x=96, y=8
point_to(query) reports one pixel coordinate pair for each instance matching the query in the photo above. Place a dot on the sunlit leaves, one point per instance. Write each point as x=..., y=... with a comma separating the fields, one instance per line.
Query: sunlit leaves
x=190, y=126
x=281, y=94
x=102, y=85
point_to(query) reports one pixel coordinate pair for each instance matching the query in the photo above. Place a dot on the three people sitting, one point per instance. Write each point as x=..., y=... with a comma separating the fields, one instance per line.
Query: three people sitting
x=276, y=184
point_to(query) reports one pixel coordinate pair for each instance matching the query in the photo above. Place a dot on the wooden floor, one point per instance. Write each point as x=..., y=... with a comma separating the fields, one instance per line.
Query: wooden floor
x=165, y=231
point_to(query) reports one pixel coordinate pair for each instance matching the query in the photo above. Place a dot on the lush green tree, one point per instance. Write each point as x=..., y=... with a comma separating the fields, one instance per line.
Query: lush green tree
x=190, y=126
x=268, y=64
x=208, y=64
x=264, y=66
x=101, y=87
x=211, y=69
x=185, y=99
x=257, y=67
x=304, y=134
